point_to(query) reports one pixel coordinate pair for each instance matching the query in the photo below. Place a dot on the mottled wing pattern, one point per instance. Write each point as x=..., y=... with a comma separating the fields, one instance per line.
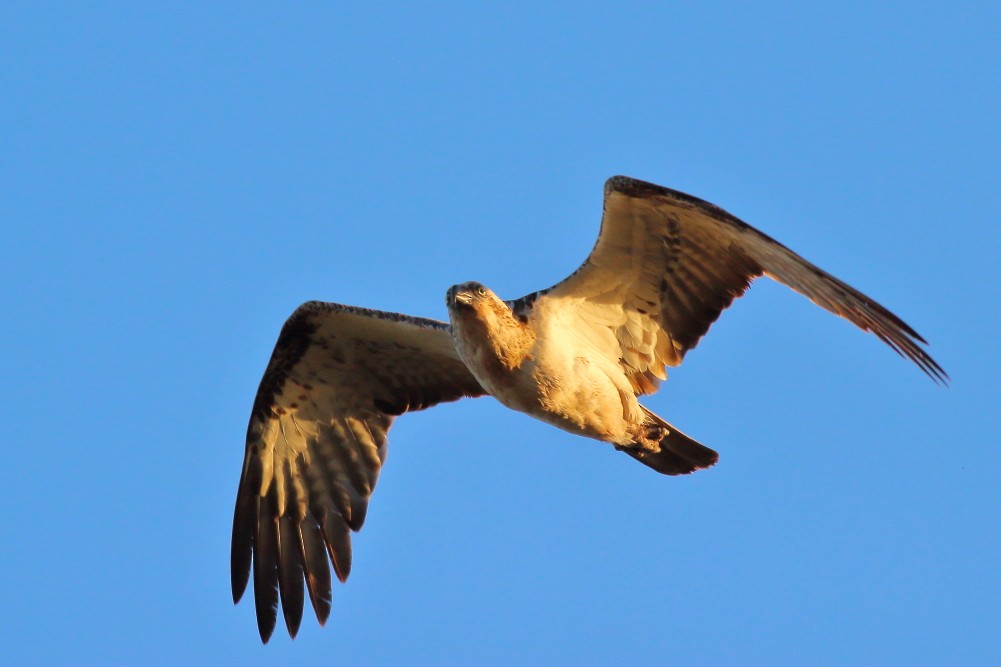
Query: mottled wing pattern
x=317, y=440
x=665, y=266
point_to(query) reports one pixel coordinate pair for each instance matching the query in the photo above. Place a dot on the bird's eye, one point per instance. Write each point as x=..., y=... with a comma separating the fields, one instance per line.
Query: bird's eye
x=481, y=291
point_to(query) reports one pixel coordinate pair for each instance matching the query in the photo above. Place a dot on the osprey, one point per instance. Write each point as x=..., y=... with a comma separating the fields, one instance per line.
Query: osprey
x=576, y=355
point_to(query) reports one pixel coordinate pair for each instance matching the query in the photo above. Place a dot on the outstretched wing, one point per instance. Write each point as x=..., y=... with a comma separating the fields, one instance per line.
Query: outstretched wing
x=317, y=440
x=665, y=266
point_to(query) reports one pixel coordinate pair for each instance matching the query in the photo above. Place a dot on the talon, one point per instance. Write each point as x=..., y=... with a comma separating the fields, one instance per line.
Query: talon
x=658, y=433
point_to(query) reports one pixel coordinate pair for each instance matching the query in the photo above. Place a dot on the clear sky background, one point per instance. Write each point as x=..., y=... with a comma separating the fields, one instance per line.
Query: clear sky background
x=176, y=179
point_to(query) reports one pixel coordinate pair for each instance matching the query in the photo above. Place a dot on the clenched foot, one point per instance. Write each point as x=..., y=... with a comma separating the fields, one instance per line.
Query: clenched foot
x=646, y=439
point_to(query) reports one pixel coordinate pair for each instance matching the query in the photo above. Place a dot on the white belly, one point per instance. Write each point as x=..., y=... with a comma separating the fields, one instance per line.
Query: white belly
x=569, y=392
x=555, y=375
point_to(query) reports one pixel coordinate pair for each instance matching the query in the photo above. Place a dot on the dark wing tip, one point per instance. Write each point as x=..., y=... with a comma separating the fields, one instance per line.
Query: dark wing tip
x=244, y=523
x=315, y=568
x=337, y=538
x=290, y=572
x=240, y=575
x=266, y=565
x=930, y=367
x=867, y=314
x=923, y=360
x=240, y=558
x=265, y=629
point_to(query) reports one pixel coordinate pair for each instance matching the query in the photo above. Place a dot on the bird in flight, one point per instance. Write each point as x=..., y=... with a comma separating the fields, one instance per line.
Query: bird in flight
x=576, y=355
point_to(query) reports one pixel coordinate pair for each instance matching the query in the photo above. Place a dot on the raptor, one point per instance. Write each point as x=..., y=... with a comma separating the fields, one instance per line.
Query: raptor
x=576, y=355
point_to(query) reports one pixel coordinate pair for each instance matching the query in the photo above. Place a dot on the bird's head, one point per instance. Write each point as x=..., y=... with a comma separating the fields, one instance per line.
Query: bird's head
x=479, y=316
x=468, y=296
x=472, y=302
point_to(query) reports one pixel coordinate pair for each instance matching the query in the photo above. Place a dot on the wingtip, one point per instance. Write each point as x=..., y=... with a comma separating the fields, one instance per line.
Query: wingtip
x=321, y=606
x=933, y=370
x=292, y=624
x=265, y=629
x=239, y=578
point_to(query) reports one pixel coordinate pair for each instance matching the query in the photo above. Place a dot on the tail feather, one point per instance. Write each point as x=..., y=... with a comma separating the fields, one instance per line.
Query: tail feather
x=678, y=455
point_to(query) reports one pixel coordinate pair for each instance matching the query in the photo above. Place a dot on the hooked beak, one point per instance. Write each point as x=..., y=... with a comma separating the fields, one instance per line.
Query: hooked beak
x=454, y=297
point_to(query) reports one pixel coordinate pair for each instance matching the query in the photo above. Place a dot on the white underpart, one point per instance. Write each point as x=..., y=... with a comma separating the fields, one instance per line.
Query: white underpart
x=572, y=378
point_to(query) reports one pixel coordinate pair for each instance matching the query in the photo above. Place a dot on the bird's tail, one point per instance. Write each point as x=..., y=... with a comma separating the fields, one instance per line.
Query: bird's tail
x=678, y=455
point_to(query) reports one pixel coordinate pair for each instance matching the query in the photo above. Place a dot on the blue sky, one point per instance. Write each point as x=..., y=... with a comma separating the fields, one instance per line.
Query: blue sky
x=176, y=179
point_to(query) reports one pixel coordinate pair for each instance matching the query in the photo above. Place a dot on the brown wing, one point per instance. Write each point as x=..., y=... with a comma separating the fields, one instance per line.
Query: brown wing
x=666, y=265
x=317, y=440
